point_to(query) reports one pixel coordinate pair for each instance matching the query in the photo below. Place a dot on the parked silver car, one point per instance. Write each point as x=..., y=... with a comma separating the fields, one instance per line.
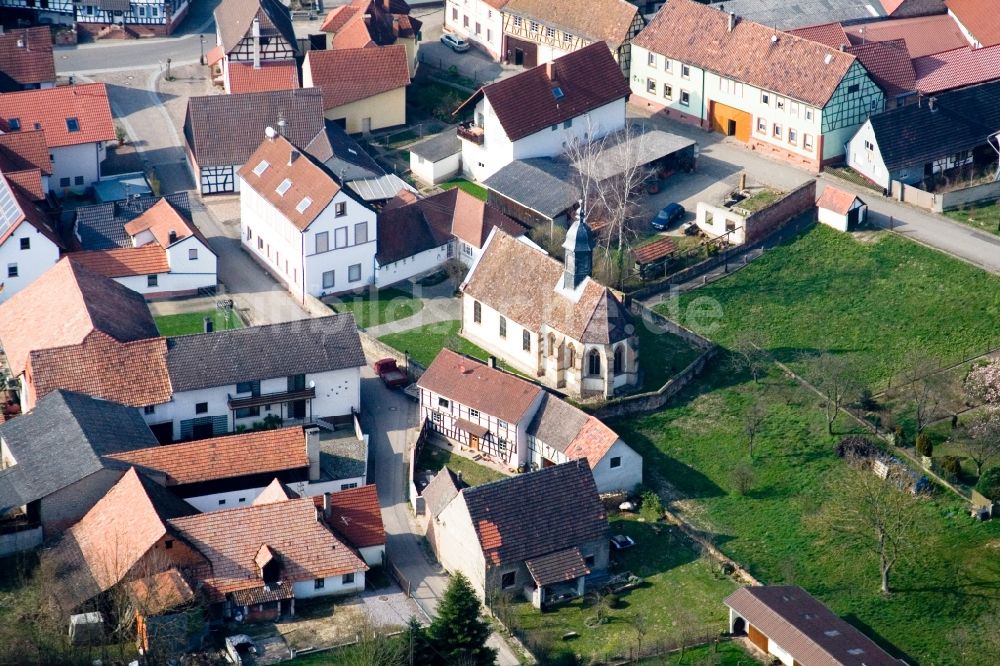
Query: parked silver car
x=455, y=43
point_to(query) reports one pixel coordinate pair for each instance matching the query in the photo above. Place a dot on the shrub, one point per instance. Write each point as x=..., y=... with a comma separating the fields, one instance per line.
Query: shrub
x=867, y=401
x=743, y=478
x=924, y=446
x=951, y=466
x=989, y=483
x=899, y=436
x=856, y=447
x=652, y=508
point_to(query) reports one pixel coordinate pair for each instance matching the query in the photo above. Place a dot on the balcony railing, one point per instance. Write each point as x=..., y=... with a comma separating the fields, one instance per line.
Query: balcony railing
x=471, y=132
x=271, y=398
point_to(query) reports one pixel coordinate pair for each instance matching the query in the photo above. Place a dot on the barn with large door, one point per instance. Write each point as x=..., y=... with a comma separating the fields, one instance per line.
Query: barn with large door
x=730, y=121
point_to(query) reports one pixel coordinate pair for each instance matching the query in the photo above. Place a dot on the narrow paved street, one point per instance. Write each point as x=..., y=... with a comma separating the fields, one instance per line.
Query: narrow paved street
x=388, y=415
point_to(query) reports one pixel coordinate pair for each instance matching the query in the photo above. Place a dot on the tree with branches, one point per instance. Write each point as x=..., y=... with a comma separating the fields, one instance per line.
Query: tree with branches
x=748, y=354
x=753, y=421
x=837, y=379
x=924, y=388
x=873, y=516
x=980, y=439
x=458, y=634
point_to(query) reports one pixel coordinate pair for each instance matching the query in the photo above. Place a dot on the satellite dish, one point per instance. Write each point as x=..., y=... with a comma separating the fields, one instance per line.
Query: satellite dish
x=270, y=133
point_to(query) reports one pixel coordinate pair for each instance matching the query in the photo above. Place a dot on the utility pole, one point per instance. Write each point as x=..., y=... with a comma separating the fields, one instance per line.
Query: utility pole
x=202, y=39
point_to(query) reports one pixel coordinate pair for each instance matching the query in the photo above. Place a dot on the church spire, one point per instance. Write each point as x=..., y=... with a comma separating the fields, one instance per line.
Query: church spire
x=579, y=251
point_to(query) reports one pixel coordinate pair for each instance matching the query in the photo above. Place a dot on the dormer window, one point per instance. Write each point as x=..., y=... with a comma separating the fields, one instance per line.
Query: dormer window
x=283, y=186
x=14, y=124
x=73, y=124
x=260, y=168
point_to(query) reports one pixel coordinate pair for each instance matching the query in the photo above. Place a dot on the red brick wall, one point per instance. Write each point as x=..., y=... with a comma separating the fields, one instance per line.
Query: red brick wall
x=796, y=202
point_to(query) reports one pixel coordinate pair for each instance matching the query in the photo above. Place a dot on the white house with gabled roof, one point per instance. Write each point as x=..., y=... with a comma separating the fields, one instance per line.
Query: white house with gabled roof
x=299, y=221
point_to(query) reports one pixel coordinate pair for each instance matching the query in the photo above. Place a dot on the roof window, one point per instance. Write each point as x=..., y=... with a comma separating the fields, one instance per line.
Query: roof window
x=14, y=124
x=260, y=168
x=305, y=203
x=832, y=633
x=283, y=187
x=73, y=124
x=557, y=92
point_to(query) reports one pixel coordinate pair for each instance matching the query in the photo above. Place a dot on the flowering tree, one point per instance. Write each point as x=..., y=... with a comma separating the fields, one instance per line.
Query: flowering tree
x=981, y=441
x=983, y=384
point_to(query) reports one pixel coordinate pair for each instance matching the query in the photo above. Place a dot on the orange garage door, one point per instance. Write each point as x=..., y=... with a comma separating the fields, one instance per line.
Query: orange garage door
x=730, y=121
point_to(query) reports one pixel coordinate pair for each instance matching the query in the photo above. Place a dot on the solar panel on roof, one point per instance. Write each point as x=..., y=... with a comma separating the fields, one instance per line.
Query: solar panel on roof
x=10, y=211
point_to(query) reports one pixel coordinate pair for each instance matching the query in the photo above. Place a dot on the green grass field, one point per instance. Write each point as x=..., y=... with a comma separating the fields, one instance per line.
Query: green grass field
x=378, y=307
x=873, y=300
x=678, y=588
x=424, y=343
x=477, y=191
x=662, y=355
x=193, y=322
x=434, y=458
x=985, y=218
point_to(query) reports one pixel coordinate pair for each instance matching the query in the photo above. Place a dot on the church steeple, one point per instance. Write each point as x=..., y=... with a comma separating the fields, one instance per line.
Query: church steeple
x=579, y=251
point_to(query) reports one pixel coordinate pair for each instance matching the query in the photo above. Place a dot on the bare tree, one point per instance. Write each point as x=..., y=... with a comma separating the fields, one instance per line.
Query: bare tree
x=924, y=388
x=743, y=477
x=753, y=421
x=373, y=648
x=748, y=354
x=980, y=439
x=875, y=516
x=640, y=624
x=611, y=173
x=838, y=381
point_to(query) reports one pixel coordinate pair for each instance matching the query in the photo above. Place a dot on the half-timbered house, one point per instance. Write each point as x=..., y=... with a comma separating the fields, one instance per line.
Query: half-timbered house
x=782, y=94
x=539, y=31
x=252, y=31
x=149, y=17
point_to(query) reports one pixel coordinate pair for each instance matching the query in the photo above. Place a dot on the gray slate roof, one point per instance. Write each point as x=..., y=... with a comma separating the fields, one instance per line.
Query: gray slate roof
x=787, y=14
x=62, y=441
x=306, y=346
x=102, y=227
x=343, y=155
x=222, y=130
x=556, y=423
x=541, y=184
x=438, y=147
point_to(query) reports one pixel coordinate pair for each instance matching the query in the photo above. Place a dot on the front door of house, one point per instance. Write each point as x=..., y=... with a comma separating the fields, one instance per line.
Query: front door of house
x=297, y=409
x=518, y=56
x=474, y=442
x=730, y=127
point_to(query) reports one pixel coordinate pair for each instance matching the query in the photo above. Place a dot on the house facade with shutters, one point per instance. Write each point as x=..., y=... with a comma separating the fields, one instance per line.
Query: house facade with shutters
x=314, y=235
x=779, y=93
x=540, y=112
x=77, y=123
x=539, y=31
x=549, y=320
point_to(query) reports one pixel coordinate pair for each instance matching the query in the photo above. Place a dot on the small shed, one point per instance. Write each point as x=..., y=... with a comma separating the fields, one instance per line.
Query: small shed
x=650, y=256
x=437, y=158
x=841, y=210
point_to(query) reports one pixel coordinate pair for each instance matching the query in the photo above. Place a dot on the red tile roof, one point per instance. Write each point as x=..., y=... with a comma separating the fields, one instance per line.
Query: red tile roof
x=831, y=34
x=283, y=75
x=30, y=146
x=26, y=210
x=980, y=17
x=124, y=261
x=274, y=492
x=77, y=302
x=653, y=251
x=476, y=385
x=229, y=456
x=52, y=109
x=132, y=373
x=352, y=74
x=889, y=65
x=924, y=34
x=26, y=55
x=609, y=21
x=836, y=200
x=29, y=180
x=162, y=592
x=524, y=104
x=958, y=68
x=355, y=514
x=308, y=180
x=805, y=628
x=337, y=18
x=305, y=547
x=160, y=220
x=353, y=35
x=800, y=68
x=592, y=442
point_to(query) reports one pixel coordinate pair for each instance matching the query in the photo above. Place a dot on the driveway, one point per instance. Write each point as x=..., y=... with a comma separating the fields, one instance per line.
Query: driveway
x=721, y=157
x=388, y=416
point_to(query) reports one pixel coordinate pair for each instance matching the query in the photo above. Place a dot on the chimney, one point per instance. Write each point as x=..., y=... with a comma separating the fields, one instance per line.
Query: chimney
x=843, y=48
x=932, y=104
x=20, y=43
x=256, y=43
x=292, y=156
x=732, y=21
x=208, y=325
x=493, y=362
x=326, y=504
x=172, y=237
x=312, y=452
x=282, y=124
x=550, y=70
x=458, y=475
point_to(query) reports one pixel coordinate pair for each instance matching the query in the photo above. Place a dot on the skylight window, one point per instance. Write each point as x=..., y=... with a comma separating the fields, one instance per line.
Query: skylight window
x=854, y=652
x=14, y=124
x=305, y=203
x=832, y=633
x=558, y=93
x=73, y=124
x=260, y=168
x=283, y=187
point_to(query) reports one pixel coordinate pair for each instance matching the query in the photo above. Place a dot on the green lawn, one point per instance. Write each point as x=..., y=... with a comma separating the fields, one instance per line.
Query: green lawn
x=759, y=199
x=678, y=588
x=985, y=218
x=424, y=343
x=193, y=322
x=374, y=307
x=662, y=355
x=434, y=458
x=477, y=191
x=874, y=300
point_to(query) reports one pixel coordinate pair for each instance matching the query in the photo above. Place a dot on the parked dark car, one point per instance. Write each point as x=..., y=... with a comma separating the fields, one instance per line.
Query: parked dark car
x=671, y=213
